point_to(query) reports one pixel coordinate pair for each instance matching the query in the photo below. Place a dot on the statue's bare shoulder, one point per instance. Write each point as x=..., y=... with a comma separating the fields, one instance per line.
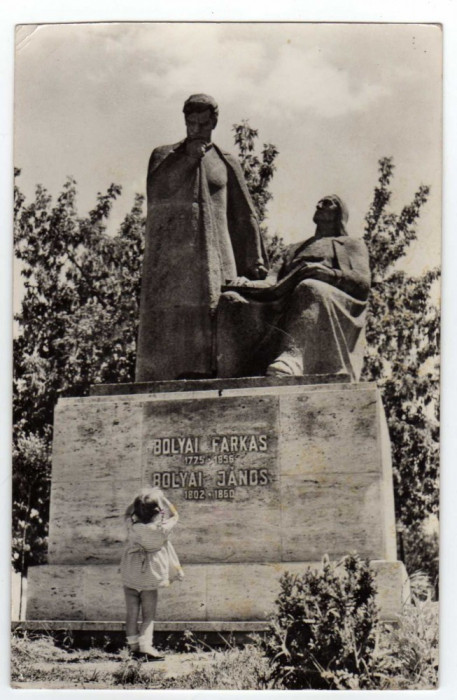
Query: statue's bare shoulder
x=159, y=154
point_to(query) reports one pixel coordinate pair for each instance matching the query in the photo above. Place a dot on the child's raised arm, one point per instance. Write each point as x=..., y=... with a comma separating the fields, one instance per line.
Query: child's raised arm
x=169, y=505
x=163, y=501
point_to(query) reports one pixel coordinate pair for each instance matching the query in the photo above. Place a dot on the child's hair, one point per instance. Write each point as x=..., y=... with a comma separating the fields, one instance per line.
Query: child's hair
x=145, y=507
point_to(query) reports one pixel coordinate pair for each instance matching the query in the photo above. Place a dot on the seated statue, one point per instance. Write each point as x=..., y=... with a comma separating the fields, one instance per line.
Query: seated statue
x=311, y=321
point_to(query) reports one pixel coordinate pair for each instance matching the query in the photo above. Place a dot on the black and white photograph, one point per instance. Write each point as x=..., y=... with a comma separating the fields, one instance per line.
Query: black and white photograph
x=226, y=356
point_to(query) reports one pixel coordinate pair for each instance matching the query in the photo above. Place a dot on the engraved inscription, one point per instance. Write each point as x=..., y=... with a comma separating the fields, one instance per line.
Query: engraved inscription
x=212, y=451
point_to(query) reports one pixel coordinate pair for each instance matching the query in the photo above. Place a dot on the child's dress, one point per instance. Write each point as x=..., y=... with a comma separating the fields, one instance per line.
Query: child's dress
x=149, y=560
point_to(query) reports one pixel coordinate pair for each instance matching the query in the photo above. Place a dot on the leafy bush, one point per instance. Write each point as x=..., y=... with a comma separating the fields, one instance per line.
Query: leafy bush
x=324, y=632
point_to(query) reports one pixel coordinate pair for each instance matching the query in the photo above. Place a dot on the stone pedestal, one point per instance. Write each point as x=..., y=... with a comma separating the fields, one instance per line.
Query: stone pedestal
x=267, y=477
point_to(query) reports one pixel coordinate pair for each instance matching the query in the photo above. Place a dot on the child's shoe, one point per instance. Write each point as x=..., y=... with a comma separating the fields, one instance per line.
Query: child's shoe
x=149, y=654
x=146, y=650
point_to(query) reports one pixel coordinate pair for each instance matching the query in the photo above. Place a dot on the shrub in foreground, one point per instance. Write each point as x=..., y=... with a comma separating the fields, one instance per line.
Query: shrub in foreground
x=323, y=634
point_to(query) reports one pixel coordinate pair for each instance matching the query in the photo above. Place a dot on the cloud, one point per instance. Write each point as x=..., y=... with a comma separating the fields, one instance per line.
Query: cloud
x=201, y=59
x=304, y=81
x=93, y=100
x=289, y=78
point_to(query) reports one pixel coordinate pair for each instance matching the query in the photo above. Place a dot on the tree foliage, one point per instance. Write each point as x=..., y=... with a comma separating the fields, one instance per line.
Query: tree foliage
x=77, y=326
x=420, y=554
x=403, y=350
x=258, y=172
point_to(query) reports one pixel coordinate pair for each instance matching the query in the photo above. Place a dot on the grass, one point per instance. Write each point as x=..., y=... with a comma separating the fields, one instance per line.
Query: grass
x=38, y=660
x=414, y=647
x=132, y=672
x=409, y=651
x=231, y=669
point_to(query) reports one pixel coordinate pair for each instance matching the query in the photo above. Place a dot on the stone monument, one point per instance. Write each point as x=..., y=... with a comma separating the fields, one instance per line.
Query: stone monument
x=269, y=473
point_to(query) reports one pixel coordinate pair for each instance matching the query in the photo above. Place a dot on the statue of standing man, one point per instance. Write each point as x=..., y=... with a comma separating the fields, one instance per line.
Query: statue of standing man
x=201, y=233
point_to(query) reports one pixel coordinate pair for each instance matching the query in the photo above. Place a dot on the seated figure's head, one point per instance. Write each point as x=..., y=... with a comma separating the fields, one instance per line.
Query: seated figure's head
x=201, y=113
x=332, y=210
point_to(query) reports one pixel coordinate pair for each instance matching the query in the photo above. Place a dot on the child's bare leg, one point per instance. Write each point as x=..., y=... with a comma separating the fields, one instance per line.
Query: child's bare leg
x=132, y=603
x=148, y=609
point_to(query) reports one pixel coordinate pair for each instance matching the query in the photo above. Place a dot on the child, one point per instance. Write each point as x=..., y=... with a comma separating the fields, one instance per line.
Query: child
x=149, y=562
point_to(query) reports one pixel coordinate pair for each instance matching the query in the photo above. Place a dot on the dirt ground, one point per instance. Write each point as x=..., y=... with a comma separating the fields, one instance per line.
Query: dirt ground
x=75, y=671
x=40, y=662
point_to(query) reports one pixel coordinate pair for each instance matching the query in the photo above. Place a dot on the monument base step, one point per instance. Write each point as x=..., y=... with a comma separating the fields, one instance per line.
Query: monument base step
x=168, y=634
x=228, y=593
x=218, y=385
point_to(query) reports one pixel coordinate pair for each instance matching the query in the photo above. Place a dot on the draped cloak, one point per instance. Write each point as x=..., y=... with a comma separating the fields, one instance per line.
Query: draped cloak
x=188, y=257
x=326, y=321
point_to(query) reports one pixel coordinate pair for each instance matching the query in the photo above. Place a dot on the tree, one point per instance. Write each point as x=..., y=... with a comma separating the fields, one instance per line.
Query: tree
x=258, y=173
x=77, y=326
x=403, y=351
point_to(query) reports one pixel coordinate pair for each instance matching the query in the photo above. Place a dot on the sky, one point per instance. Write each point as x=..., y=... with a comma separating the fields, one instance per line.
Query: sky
x=93, y=100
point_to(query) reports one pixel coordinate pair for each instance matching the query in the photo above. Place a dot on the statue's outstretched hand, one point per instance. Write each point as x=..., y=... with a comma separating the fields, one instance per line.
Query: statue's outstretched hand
x=317, y=271
x=259, y=272
x=245, y=282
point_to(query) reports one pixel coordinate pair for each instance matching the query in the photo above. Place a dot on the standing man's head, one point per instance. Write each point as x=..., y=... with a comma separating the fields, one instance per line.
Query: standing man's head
x=201, y=113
